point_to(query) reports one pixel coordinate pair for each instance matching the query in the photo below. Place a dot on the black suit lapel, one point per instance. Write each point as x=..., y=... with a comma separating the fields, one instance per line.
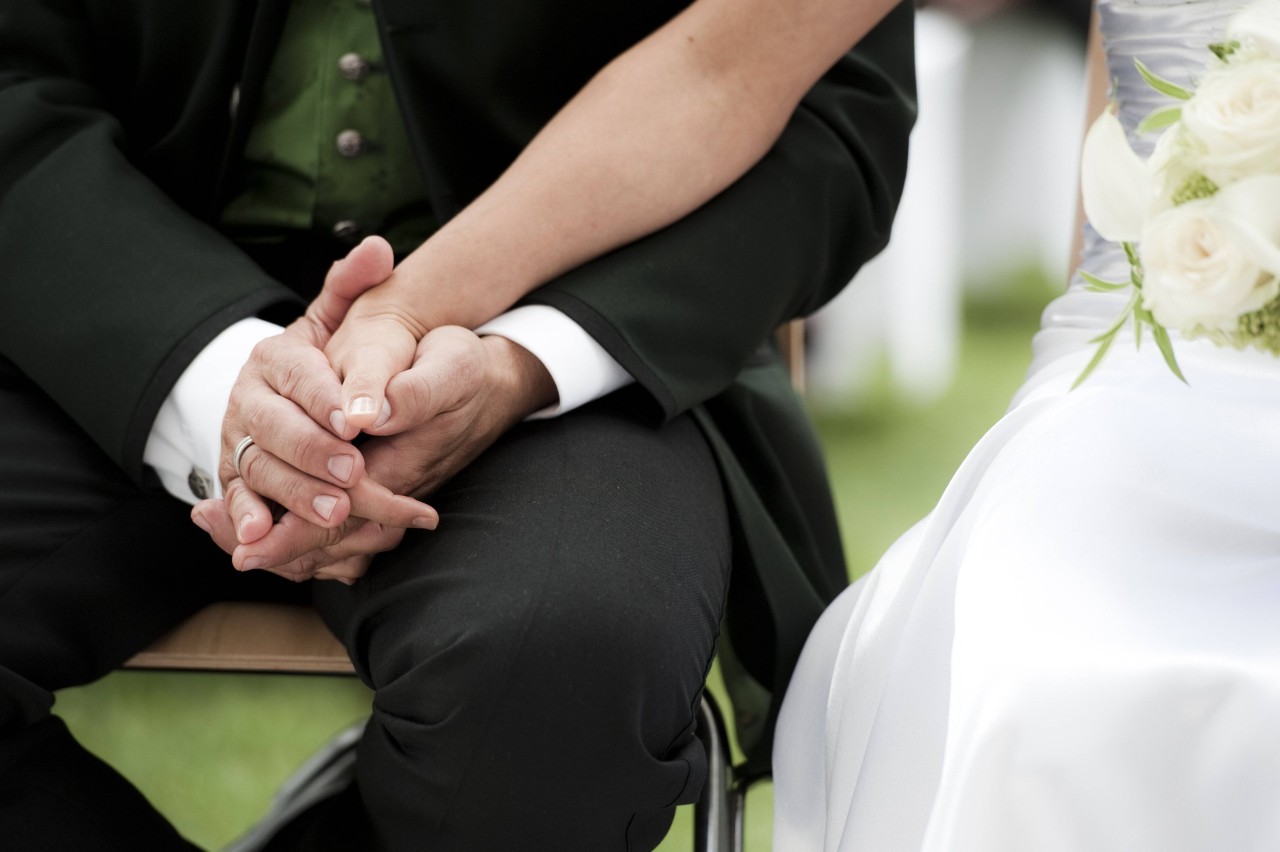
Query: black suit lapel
x=262, y=22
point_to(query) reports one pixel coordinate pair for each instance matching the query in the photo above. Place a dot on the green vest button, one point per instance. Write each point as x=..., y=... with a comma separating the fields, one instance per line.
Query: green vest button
x=350, y=143
x=353, y=66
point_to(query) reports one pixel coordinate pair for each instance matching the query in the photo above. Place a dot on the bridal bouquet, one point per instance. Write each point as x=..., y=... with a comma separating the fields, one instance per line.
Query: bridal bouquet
x=1199, y=220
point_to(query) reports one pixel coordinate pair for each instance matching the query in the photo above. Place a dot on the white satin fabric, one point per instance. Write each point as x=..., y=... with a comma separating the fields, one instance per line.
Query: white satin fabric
x=1079, y=648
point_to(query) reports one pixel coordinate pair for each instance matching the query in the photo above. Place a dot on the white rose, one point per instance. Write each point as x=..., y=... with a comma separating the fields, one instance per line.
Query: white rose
x=1208, y=261
x=1114, y=182
x=1257, y=25
x=1234, y=118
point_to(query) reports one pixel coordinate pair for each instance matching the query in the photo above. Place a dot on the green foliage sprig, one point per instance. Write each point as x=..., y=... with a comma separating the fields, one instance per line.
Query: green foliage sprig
x=1133, y=311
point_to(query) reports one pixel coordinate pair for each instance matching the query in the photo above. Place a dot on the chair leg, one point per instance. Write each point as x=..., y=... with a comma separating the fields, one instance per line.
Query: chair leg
x=738, y=817
x=717, y=815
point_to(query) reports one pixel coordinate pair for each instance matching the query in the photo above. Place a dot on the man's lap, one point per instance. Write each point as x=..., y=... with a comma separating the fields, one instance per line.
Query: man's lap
x=579, y=556
x=591, y=492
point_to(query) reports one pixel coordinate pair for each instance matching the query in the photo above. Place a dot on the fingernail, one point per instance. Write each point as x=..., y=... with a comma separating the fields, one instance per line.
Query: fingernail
x=426, y=522
x=341, y=466
x=385, y=415
x=360, y=405
x=324, y=505
x=253, y=563
x=198, y=520
x=240, y=529
x=338, y=421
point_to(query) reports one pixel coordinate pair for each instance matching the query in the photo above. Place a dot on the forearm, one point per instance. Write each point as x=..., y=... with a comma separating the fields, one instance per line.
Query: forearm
x=654, y=135
x=685, y=308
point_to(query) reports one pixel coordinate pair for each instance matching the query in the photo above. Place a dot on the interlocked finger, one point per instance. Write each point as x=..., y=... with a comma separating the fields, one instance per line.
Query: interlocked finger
x=291, y=540
x=310, y=498
x=282, y=428
x=349, y=559
x=291, y=366
x=212, y=517
x=376, y=503
x=249, y=514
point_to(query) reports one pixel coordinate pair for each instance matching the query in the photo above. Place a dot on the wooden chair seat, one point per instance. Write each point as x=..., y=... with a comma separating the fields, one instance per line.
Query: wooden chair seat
x=249, y=636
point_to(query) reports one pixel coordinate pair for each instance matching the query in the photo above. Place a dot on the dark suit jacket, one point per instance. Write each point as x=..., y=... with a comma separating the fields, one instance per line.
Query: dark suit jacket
x=118, y=136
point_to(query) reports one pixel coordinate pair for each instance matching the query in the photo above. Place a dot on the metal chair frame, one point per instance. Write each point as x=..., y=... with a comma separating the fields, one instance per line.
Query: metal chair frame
x=719, y=815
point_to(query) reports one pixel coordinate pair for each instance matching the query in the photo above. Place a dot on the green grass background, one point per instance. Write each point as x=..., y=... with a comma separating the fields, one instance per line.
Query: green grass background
x=209, y=749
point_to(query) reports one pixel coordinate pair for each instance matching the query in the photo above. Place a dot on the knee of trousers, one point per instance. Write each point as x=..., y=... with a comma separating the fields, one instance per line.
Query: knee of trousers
x=593, y=685
x=561, y=645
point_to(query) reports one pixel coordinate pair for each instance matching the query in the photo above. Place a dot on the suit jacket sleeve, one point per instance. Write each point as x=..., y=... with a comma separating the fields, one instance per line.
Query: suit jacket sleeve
x=107, y=287
x=684, y=309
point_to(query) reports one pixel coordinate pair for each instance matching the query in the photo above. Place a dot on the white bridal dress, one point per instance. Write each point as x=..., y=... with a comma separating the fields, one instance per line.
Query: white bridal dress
x=1079, y=649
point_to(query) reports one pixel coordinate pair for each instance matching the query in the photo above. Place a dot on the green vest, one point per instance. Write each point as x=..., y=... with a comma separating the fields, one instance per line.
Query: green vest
x=328, y=150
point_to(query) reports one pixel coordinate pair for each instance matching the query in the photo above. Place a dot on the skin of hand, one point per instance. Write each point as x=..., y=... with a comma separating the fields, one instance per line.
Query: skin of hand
x=461, y=393
x=283, y=394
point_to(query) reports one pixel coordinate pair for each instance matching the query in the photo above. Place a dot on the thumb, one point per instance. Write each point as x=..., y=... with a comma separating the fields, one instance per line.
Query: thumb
x=365, y=266
x=367, y=353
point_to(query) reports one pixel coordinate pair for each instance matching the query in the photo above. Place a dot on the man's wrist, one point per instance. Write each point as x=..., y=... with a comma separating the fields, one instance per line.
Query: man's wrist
x=185, y=442
x=520, y=382
x=580, y=367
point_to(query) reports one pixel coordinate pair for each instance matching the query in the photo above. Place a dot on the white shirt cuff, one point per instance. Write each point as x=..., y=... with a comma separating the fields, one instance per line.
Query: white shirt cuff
x=580, y=367
x=185, y=443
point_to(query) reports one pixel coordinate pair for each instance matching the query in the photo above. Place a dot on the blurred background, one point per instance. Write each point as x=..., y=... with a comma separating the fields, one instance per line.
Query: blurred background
x=908, y=368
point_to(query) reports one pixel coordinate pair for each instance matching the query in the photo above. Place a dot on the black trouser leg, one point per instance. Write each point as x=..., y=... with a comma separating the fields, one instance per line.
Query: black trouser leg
x=91, y=571
x=537, y=660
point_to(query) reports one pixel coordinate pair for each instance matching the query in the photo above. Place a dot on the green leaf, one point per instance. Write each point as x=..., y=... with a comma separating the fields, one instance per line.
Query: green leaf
x=1166, y=349
x=1119, y=321
x=1160, y=119
x=1094, y=361
x=1160, y=84
x=1132, y=309
x=1137, y=330
x=1098, y=285
x=1131, y=252
x=1223, y=49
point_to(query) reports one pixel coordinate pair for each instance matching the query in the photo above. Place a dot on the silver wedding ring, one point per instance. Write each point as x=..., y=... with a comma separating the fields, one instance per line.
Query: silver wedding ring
x=245, y=443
